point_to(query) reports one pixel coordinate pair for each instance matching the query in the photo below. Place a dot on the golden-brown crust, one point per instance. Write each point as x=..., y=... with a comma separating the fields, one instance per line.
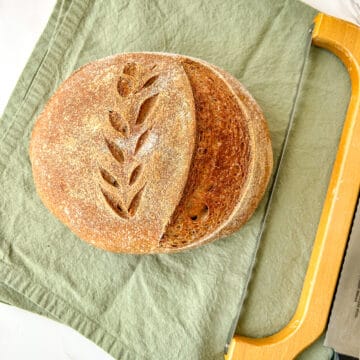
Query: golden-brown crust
x=150, y=152
x=85, y=163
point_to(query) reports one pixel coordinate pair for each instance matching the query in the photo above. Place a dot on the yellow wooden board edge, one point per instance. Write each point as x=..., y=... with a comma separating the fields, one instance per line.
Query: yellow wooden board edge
x=310, y=319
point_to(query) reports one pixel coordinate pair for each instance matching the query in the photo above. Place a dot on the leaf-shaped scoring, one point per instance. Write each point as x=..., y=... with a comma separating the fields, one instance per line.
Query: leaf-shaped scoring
x=116, y=152
x=131, y=69
x=125, y=86
x=135, y=174
x=109, y=178
x=132, y=77
x=146, y=109
x=150, y=81
x=119, y=123
x=135, y=202
x=115, y=205
x=142, y=140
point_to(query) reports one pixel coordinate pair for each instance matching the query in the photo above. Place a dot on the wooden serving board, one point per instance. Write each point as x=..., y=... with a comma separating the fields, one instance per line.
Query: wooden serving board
x=310, y=319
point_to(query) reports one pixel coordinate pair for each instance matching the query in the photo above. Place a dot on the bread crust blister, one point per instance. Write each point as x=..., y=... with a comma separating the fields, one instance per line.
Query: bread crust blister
x=151, y=153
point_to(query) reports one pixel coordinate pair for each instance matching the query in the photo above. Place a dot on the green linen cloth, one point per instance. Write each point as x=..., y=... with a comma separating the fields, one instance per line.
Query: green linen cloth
x=175, y=306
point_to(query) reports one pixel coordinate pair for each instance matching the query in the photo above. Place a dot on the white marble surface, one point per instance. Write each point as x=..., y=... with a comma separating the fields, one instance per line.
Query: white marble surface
x=24, y=335
x=21, y=24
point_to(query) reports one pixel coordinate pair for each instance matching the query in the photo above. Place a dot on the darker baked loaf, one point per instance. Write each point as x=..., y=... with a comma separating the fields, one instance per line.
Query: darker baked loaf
x=151, y=153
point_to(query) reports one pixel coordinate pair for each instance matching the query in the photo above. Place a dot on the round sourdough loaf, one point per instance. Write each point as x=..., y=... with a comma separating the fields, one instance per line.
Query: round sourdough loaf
x=151, y=153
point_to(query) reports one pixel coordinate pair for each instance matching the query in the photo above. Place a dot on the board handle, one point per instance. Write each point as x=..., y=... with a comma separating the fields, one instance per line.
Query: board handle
x=310, y=319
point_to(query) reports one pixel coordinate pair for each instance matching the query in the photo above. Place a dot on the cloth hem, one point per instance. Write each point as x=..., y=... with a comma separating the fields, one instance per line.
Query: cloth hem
x=60, y=310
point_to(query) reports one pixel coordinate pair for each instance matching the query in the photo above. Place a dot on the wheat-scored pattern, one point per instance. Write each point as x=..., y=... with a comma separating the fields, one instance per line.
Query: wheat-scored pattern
x=134, y=83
